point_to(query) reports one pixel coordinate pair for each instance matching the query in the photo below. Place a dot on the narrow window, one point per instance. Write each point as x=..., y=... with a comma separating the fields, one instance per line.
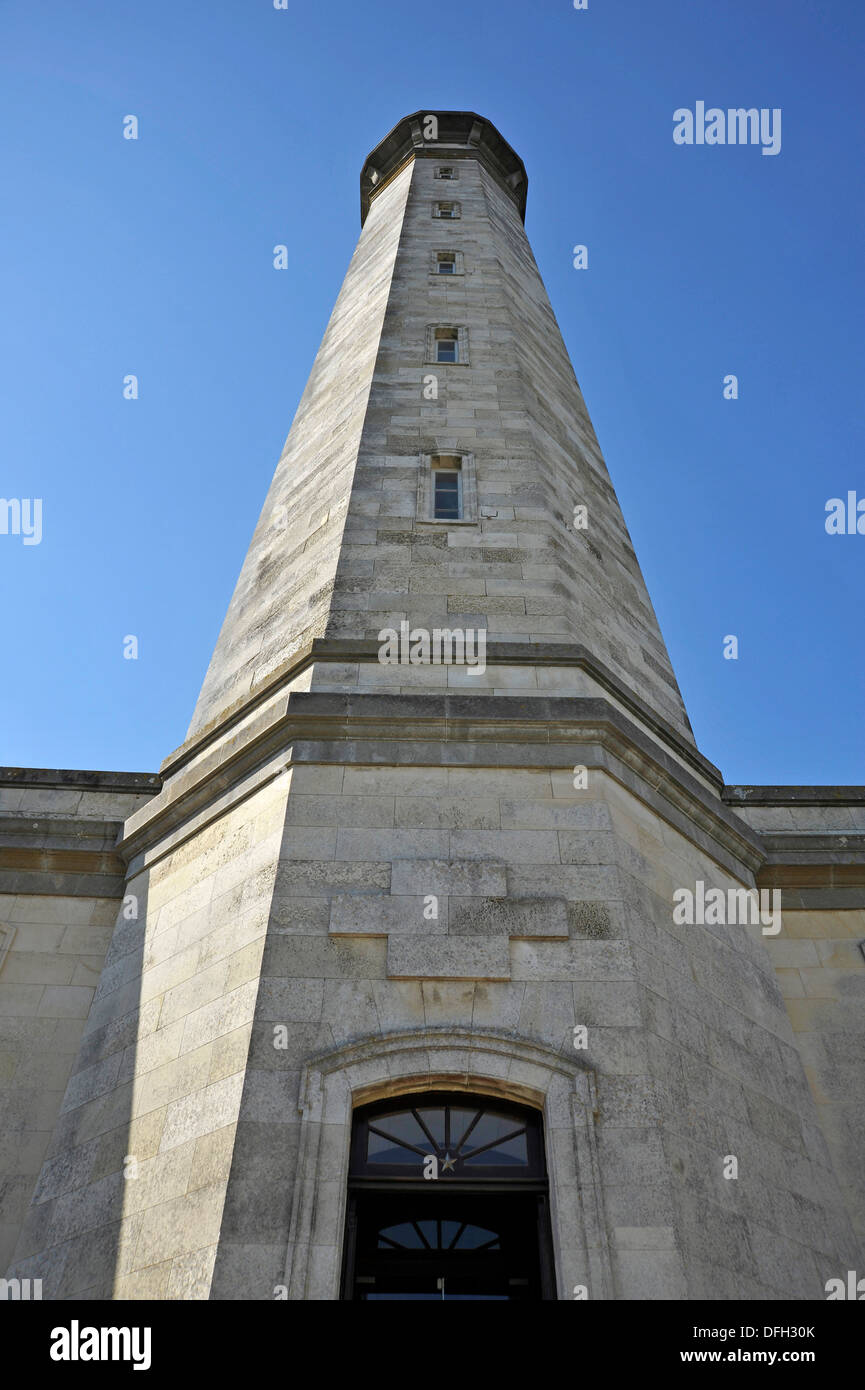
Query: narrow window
x=447, y=263
x=447, y=487
x=447, y=210
x=446, y=171
x=446, y=345
x=447, y=490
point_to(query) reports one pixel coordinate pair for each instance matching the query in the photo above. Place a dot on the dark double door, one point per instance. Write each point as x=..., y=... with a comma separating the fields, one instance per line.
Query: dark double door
x=447, y=1246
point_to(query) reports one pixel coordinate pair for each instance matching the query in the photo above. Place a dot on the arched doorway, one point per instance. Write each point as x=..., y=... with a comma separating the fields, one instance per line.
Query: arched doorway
x=447, y=1200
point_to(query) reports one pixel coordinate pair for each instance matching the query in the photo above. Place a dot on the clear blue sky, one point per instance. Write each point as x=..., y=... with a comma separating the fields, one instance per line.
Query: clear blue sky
x=155, y=258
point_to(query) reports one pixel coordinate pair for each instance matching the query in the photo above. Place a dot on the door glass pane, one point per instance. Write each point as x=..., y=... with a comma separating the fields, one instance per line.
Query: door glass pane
x=406, y=1236
x=450, y=1231
x=429, y=1231
x=473, y=1236
x=446, y=1246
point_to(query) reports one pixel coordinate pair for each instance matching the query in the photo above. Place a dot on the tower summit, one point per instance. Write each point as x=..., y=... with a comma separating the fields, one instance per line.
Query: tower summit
x=399, y=1002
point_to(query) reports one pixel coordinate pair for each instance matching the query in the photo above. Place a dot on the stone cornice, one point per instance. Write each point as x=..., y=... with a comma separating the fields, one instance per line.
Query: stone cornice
x=815, y=847
x=795, y=796
x=57, y=852
x=461, y=134
x=64, y=856
x=538, y=654
x=64, y=834
x=445, y=730
x=73, y=778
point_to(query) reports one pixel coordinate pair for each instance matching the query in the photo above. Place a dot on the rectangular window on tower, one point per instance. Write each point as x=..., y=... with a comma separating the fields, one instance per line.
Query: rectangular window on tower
x=447, y=488
x=447, y=345
x=446, y=210
x=447, y=493
x=447, y=263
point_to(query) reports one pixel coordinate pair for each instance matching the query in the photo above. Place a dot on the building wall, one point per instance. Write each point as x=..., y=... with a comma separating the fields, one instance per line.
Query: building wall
x=283, y=593
x=522, y=573
x=735, y=1083
x=60, y=890
x=295, y=903
x=129, y=1200
x=556, y=909
x=47, y=984
x=821, y=971
x=820, y=963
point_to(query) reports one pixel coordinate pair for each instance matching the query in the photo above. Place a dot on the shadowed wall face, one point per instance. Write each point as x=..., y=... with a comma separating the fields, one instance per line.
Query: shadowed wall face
x=61, y=887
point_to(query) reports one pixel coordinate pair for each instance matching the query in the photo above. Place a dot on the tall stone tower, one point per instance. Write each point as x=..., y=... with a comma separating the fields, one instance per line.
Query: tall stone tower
x=398, y=1002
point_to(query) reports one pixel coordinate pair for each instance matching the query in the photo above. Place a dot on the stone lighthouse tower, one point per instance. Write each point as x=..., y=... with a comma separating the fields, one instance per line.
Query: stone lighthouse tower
x=399, y=1002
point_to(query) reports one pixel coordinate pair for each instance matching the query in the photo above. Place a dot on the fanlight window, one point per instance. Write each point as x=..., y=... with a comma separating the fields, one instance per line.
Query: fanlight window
x=468, y=1140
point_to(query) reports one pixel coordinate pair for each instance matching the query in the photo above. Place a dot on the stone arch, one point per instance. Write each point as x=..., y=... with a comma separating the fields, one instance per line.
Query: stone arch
x=335, y=1083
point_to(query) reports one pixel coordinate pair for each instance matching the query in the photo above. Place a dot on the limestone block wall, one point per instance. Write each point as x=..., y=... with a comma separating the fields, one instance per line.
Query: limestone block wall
x=340, y=549
x=732, y=1082
x=47, y=983
x=554, y=909
x=280, y=916
x=129, y=1200
x=283, y=594
x=815, y=836
x=607, y=604
x=521, y=571
x=60, y=888
x=821, y=971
